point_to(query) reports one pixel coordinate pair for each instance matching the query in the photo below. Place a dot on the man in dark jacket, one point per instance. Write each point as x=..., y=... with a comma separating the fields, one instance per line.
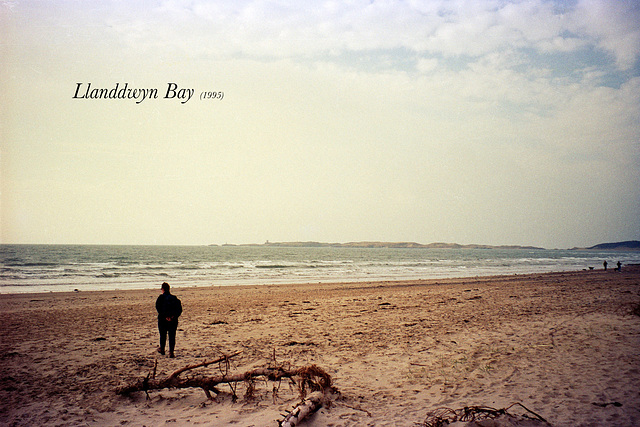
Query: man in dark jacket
x=169, y=309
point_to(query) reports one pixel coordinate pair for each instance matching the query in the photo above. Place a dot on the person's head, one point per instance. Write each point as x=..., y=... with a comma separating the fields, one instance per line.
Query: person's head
x=165, y=288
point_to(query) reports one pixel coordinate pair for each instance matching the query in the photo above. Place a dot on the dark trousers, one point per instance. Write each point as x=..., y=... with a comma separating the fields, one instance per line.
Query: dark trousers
x=165, y=328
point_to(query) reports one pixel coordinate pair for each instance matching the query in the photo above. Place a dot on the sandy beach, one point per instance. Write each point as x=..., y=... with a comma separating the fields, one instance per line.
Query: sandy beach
x=564, y=345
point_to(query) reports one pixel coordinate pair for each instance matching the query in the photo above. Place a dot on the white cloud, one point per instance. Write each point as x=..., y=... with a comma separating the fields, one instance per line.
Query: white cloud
x=612, y=26
x=309, y=30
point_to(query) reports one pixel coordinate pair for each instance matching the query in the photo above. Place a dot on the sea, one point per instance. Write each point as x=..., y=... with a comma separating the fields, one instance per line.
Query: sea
x=64, y=268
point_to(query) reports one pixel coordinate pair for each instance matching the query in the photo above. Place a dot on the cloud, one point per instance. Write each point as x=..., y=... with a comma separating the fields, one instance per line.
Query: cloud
x=611, y=26
x=457, y=30
x=448, y=28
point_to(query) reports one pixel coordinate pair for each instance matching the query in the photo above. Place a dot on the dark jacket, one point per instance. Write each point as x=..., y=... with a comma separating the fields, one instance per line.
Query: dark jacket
x=168, y=306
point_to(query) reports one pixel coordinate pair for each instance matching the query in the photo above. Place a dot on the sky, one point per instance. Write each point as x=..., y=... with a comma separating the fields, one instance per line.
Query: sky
x=490, y=122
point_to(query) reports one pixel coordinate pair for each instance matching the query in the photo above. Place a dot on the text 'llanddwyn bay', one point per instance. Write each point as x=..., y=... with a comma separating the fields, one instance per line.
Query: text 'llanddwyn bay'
x=173, y=91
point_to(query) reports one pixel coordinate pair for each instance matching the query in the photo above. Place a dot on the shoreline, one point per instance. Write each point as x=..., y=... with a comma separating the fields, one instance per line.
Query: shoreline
x=39, y=269
x=358, y=283
x=560, y=343
x=286, y=282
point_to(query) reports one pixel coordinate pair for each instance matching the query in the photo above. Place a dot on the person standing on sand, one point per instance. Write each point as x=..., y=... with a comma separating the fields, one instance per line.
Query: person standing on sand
x=605, y=265
x=169, y=309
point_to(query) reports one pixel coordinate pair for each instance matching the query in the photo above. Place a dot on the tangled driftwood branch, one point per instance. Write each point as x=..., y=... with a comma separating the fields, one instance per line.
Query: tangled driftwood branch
x=309, y=378
x=173, y=380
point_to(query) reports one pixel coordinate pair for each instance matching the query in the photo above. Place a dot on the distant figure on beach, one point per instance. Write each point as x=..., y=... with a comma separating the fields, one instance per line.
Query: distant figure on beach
x=605, y=265
x=619, y=266
x=169, y=309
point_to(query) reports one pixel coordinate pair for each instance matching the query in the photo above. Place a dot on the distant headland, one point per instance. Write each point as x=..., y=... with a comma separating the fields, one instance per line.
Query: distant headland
x=382, y=245
x=630, y=245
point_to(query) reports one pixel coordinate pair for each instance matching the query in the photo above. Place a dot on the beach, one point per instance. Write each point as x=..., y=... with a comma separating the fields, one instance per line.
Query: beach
x=563, y=345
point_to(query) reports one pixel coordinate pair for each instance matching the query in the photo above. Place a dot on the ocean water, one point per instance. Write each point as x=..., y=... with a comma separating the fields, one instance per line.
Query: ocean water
x=52, y=268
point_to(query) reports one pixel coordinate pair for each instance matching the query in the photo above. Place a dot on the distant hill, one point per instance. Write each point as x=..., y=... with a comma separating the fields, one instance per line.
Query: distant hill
x=630, y=245
x=390, y=245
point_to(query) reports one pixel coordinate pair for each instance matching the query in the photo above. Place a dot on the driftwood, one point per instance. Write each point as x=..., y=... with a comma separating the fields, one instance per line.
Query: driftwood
x=308, y=406
x=173, y=380
x=310, y=378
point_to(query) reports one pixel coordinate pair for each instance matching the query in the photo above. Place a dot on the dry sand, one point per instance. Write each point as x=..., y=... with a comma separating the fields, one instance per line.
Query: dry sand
x=565, y=345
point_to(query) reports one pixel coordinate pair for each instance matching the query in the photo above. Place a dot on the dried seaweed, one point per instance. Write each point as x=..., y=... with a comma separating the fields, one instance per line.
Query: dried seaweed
x=443, y=416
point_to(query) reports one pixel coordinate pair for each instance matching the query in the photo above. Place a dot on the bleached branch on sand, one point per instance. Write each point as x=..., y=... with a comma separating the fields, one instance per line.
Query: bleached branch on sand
x=308, y=406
